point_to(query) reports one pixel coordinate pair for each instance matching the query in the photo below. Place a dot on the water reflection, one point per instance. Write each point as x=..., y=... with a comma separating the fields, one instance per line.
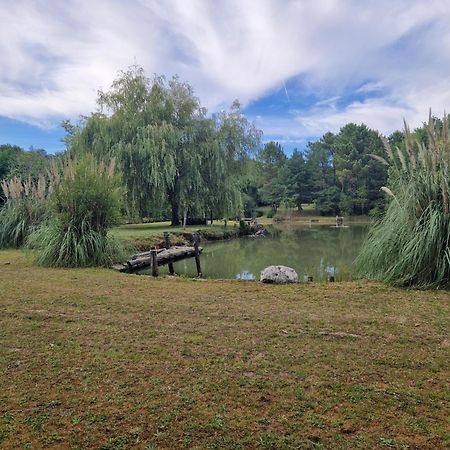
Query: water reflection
x=319, y=251
x=245, y=276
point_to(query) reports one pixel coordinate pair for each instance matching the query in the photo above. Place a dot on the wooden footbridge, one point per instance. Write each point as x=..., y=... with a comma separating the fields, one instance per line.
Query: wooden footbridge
x=160, y=256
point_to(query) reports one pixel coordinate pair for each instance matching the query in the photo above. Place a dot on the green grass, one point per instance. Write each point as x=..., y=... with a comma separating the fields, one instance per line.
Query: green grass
x=91, y=358
x=158, y=228
x=145, y=235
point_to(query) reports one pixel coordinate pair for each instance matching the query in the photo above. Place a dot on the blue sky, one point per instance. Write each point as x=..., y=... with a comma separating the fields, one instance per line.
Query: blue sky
x=300, y=68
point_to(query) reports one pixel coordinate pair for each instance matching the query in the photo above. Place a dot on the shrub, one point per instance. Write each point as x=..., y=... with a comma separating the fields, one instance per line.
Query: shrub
x=24, y=210
x=410, y=246
x=85, y=203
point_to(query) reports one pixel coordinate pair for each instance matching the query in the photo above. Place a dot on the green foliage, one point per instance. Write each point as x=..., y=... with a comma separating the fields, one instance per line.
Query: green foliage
x=168, y=150
x=85, y=203
x=274, y=165
x=342, y=163
x=24, y=210
x=411, y=244
x=298, y=180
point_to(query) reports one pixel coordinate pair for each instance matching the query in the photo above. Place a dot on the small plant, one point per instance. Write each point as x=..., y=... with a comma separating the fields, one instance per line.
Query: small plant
x=410, y=246
x=84, y=205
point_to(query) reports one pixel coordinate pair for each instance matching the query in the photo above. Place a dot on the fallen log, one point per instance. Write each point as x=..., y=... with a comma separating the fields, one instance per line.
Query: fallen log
x=164, y=256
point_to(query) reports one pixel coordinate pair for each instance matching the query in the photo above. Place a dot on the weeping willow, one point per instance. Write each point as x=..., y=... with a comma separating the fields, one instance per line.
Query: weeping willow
x=411, y=245
x=84, y=204
x=25, y=209
x=172, y=157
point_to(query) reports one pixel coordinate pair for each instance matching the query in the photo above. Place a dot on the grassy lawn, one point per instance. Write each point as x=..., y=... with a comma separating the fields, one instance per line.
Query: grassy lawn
x=146, y=235
x=92, y=358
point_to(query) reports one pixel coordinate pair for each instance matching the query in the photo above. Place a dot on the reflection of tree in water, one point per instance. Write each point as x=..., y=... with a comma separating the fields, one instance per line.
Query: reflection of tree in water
x=310, y=251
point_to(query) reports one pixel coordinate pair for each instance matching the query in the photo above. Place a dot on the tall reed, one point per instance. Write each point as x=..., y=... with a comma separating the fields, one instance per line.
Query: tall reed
x=411, y=244
x=85, y=202
x=24, y=210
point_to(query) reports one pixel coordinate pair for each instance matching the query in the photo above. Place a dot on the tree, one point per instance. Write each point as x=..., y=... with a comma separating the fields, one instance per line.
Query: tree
x=168, y=149
x=359, y=177
x=344, y=176
x=299, y=179
x=319, y=156
x=274, y=167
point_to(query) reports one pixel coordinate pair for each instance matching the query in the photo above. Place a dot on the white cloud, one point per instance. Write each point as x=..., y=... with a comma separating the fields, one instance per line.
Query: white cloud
x=55, y=55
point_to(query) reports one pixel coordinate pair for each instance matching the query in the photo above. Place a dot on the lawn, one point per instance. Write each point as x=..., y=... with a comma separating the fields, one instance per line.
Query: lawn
x=146, y=235
x=91, y=358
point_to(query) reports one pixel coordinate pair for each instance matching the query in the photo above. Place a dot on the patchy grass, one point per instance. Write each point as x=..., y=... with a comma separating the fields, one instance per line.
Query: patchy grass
x=90, y=358
x=144, y=236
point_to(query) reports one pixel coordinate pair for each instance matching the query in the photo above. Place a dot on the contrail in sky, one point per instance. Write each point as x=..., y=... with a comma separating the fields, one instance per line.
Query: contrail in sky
x=285, y=90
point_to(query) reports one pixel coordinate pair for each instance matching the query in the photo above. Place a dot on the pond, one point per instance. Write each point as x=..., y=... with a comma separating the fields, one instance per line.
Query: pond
x=317, y=251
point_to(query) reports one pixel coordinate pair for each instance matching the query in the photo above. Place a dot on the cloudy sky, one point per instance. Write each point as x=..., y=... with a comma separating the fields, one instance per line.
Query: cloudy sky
x=299, y=67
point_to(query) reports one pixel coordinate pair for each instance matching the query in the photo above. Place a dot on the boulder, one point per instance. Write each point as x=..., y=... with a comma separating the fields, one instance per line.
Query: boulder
x=279, y=275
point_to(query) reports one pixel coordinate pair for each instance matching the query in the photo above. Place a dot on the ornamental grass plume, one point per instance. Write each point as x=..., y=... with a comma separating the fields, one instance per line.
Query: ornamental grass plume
x=410, y=246
x=85, y=202
x=24, y=210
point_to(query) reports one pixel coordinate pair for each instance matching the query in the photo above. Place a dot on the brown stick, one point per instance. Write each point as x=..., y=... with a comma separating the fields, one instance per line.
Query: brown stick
x=167, y=245
x=197, y=254
x=154, y=262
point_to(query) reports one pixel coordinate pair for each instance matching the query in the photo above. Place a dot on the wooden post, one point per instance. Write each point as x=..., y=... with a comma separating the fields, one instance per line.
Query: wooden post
x=167, y=245
x=195, y=238
x=154, y=262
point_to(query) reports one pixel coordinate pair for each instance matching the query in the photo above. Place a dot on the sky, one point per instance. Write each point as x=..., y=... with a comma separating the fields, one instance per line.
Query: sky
x=299, y=68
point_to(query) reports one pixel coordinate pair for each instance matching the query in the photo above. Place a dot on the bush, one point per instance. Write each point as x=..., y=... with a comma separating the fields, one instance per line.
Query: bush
x=411, y=244
x=24, y=210
x=85, y=203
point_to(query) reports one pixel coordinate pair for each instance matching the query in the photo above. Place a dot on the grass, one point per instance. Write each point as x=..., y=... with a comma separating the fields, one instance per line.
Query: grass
x=91, y=358
x=146, y=235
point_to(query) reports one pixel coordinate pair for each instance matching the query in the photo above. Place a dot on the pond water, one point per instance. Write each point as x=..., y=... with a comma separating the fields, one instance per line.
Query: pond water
x=317, y=251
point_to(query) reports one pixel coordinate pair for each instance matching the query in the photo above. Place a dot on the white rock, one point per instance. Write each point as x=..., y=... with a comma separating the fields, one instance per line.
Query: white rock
x=279, y=275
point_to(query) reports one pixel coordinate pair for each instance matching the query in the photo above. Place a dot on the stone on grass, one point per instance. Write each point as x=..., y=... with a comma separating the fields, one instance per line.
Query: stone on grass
x=279, y=275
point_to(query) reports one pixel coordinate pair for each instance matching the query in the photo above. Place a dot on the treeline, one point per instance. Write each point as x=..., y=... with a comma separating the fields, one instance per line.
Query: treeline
x=337, y=173
x=178, y=163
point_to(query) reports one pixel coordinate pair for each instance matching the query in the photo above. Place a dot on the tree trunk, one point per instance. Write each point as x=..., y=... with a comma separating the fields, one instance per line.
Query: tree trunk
x=185, y=218
x=174, y=196
x=175, y=217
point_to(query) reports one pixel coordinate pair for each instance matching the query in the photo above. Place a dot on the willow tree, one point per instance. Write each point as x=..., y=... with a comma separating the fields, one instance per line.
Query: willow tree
x=170, y=152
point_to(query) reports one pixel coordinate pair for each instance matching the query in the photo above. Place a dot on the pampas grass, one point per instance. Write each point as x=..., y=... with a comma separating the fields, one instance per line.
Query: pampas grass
x=24, y=210
x=85, y=202
x=411, y=245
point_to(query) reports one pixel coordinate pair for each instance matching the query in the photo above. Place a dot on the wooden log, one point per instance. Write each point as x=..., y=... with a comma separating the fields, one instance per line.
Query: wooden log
x=164, y=256
x=154, y=263
x=167, y=245
x=145, y=254
x=120, y=267
x=196, y=239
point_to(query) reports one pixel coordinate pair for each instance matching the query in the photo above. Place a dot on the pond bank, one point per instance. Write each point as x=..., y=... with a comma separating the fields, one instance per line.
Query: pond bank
x=143, y=237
